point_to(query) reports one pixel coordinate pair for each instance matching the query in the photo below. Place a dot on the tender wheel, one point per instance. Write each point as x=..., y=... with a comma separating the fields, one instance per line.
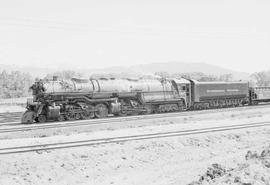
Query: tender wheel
x=41, y=118
x=175, y=108
x=161, y=108
x=101, y=111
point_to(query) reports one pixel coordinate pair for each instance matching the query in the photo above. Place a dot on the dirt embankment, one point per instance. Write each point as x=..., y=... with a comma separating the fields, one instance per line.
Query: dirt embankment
x=173, y=161
x=165, y=161
x=254, y=170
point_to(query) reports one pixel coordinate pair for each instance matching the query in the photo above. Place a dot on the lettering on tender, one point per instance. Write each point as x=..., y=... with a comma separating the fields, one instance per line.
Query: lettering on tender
x=214, y=91
x=232, y=90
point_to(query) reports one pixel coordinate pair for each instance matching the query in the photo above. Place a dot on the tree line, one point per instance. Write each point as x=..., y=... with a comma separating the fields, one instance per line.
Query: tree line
x=202, y=77
x=15, y=84
x=262, y=78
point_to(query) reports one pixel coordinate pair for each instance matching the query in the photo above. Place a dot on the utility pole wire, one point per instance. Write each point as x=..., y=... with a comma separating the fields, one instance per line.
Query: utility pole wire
x=68, y=26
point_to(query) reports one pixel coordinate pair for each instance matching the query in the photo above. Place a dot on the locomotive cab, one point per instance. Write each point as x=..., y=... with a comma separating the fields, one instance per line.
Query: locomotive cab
x=183, y=87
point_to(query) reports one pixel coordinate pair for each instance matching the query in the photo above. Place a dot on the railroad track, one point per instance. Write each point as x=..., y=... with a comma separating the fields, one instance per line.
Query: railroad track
x=17, y=127
x=8, y=114
x=80, y=123
x=15, y=117
x=10, y=117
x=108, y=140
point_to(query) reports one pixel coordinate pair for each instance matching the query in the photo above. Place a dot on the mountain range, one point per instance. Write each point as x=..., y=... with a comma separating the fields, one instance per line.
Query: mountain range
x=143, y=69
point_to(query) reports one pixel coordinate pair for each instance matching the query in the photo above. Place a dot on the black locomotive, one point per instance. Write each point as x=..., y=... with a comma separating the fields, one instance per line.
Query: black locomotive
x=75, y=99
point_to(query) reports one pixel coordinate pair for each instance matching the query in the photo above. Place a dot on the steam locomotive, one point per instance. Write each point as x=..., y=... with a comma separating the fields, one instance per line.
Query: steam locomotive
x=75, y=99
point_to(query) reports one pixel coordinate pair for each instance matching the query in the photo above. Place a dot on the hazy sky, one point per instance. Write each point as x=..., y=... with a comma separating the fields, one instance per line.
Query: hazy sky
x=93, y=34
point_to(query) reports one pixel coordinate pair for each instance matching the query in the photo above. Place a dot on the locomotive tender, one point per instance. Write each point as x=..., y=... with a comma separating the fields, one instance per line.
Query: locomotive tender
x=58, y=100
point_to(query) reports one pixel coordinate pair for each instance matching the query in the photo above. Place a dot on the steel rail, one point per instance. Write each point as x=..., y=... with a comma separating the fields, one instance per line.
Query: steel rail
x=191, y=112
x=108, y=140
x=76, y=123
x=5, y=113
x=9, y=117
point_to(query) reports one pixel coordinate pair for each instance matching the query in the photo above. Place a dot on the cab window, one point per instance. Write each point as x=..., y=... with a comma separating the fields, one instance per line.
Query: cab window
x=183, y=88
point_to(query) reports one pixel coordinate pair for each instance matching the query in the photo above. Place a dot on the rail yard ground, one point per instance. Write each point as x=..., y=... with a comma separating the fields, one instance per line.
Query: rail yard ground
x=232, y=156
